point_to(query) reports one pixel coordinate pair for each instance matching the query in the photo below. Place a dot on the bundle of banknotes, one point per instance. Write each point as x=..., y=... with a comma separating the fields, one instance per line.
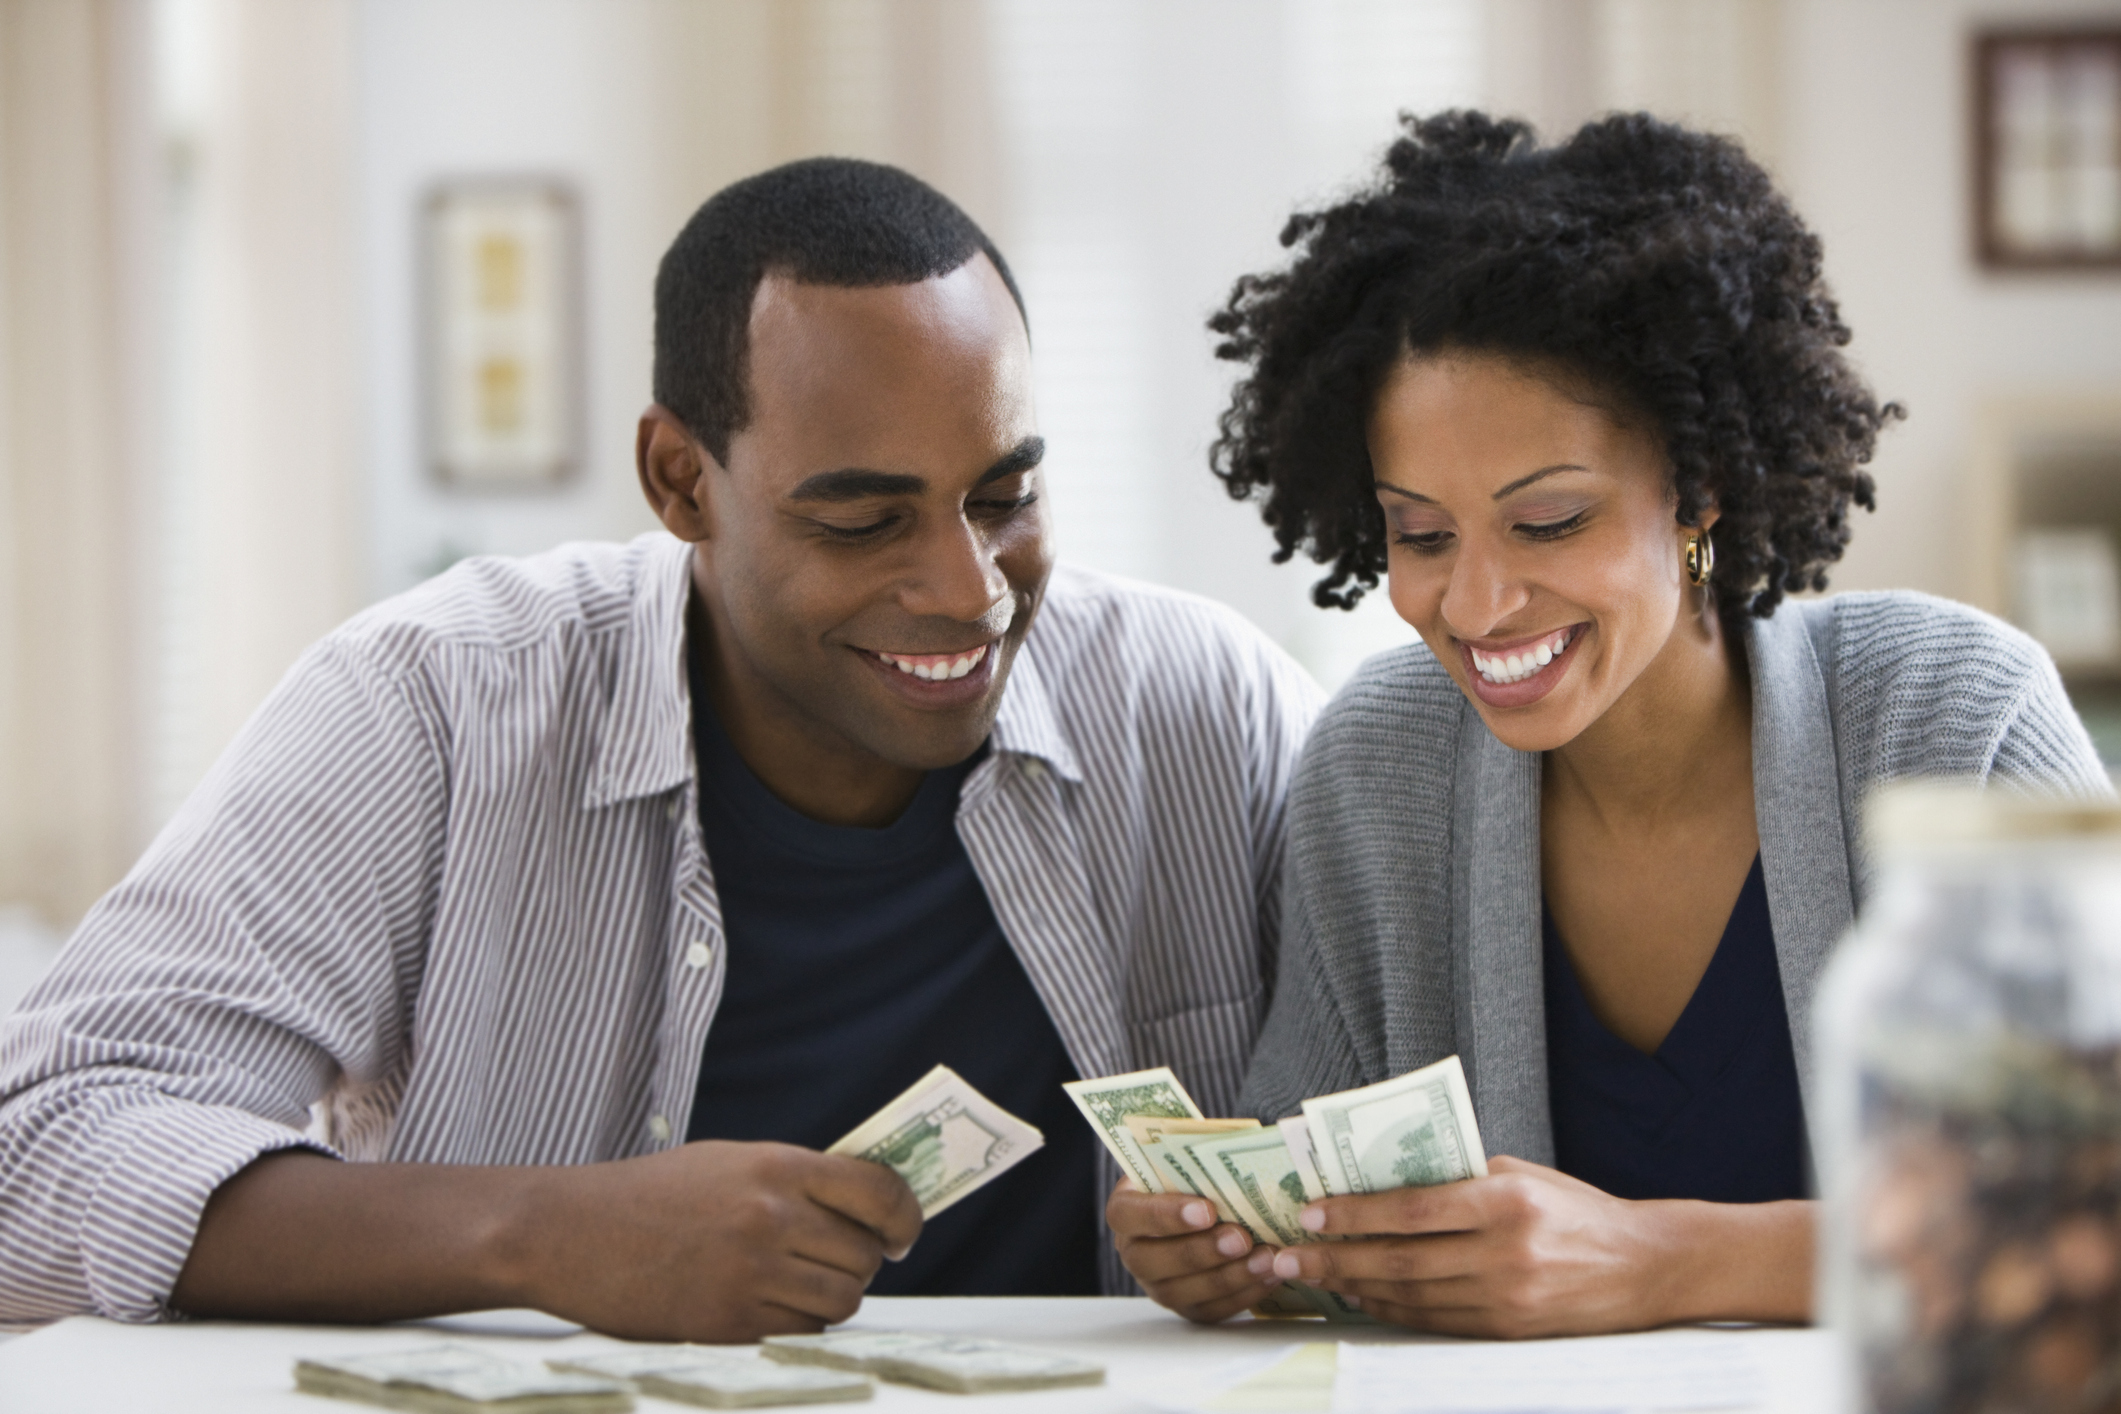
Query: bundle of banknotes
x=462, y=1379
x=958, y=1364
x=832, y=1368
x=1410, y=1131
x=459, y=1379
x=717, y=1379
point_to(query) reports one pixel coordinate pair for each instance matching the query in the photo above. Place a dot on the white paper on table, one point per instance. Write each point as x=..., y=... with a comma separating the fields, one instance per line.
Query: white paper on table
x=1629, y=1374
x=1186, y=1387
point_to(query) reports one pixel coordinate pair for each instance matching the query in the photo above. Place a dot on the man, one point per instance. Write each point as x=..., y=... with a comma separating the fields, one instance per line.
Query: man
x=527, y=878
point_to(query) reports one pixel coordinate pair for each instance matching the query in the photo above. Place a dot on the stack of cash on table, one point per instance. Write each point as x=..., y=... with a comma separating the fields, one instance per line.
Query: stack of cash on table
x=718, y=1379
x=797, y=1369
x=1407, y=1132
x=958, y=1364
x=458, y=1379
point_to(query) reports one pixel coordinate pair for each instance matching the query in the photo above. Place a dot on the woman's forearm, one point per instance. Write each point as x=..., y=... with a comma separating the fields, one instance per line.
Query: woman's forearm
x=1732, y=1261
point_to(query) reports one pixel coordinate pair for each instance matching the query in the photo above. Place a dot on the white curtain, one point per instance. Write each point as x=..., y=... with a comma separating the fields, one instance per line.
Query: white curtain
x=1714, y=64
x=71, y=485
x=178, y=512
x=259, y=523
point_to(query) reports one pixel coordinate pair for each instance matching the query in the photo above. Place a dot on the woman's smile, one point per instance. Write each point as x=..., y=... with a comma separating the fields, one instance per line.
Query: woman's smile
x=1519, y=671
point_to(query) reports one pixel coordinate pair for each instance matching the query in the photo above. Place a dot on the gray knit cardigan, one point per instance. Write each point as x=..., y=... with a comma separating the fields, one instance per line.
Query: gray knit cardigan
x=1412, y=898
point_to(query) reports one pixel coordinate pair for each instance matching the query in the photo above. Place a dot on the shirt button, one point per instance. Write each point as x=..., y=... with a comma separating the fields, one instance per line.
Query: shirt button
x=670, y=811
x=660, y=1128
x=1035, y=769
x=697, y=955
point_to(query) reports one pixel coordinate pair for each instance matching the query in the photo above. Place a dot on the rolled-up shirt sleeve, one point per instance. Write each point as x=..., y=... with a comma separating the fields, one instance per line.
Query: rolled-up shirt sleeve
x=264, y=953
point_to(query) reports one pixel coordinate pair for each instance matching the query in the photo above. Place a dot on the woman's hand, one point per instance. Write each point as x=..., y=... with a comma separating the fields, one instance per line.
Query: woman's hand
x=1172, y=1244
x=1529, y=1251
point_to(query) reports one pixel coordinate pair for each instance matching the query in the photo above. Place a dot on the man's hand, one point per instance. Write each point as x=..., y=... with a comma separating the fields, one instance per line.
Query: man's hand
x=720, y=1242
x=1171, y=1243
x=1529, y=1251
x=709, y=1242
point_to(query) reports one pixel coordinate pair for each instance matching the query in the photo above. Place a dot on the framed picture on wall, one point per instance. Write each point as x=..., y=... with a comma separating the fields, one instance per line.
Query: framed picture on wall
x=2047, y=147
x=502, y=332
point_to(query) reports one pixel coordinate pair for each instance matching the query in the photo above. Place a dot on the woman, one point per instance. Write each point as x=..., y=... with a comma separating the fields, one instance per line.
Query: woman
x=1585, y=406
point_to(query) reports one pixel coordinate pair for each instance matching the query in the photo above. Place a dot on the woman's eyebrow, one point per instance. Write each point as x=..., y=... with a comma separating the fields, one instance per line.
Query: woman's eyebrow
x=1523, y=481
x=1518, y=485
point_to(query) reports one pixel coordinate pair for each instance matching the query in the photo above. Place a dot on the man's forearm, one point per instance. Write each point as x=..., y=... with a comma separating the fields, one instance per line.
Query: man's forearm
x=301, y=1237
x=1738, y=1261
x=708, y=1241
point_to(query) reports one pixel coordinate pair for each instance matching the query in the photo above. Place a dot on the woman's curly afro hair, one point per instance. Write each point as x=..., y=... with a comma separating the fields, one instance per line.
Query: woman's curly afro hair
x=1659, y=265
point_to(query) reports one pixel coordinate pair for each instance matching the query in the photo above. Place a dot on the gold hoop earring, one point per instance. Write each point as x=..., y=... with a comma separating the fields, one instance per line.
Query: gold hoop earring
x=1700, y=559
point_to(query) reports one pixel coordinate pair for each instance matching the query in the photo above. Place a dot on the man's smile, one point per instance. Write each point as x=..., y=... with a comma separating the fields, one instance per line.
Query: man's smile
x=935, y=682
x=935, y=667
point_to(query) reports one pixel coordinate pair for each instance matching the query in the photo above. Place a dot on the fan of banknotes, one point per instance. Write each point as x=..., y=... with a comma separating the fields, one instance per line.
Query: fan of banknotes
x=1410, y=1131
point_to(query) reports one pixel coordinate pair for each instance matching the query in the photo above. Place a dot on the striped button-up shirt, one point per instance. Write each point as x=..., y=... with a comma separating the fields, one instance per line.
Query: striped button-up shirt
x=444, y=901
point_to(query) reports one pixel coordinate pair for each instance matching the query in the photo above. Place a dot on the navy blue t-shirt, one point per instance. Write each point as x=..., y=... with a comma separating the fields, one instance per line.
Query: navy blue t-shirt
x=1716, y=1113
x=857, y=959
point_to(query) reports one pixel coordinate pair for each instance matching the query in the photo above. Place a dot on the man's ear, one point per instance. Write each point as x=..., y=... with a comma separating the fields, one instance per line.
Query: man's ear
x=674, y=471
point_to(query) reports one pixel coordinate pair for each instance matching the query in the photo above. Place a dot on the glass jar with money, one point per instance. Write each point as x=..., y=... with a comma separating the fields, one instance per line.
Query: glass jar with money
x=1970, y=1116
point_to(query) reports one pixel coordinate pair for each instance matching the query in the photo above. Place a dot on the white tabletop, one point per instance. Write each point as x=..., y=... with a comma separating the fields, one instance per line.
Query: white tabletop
x=90, y=1366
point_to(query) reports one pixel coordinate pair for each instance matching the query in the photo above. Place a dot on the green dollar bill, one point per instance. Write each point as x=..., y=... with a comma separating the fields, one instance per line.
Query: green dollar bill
x=1107, y=1101
x=1411, y=1131
x=944, y=1138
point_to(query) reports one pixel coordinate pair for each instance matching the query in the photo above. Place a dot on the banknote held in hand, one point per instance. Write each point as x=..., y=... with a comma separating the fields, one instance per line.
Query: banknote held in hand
x=1414, y=1130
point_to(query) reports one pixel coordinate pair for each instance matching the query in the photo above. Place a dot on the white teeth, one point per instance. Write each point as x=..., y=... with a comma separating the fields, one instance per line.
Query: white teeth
x=937, y=672
x=1505, y=668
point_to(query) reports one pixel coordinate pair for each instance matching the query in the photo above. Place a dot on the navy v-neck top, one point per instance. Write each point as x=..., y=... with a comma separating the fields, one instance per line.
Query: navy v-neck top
x=857, y=959
x=1715, y=1113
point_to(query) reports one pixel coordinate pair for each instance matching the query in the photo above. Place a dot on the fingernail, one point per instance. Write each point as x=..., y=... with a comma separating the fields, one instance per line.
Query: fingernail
x=1313, y=1219
x=1196, y=1214
x=1355, y=1302
x=1286, y=1266
x=1232, y=1244
x=1261, y=1262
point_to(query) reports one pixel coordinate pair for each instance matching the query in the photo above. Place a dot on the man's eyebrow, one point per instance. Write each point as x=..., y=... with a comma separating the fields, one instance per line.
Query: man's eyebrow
x=860, y=484
x=1022, y=457
x=856, y=484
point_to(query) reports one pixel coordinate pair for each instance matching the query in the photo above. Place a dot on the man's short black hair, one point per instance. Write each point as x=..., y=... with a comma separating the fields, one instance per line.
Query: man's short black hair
x=821, y=221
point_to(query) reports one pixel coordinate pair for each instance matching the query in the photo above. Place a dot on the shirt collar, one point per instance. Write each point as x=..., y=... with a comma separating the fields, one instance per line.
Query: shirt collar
x=1027, y=724
x=645, y=744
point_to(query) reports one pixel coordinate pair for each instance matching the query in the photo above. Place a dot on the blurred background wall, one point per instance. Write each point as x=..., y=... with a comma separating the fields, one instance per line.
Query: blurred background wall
x=210, y=373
